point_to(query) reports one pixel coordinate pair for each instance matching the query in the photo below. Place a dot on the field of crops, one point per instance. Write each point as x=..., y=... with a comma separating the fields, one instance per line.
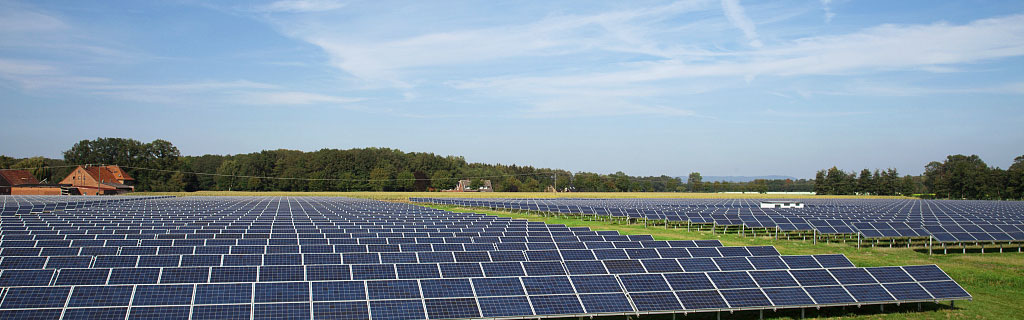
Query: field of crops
x=400, y=196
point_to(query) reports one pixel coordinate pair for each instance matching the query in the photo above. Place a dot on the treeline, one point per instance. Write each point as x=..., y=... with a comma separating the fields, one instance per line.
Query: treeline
x=159, y=166
x=695, y=183
x=957, y=177
x=968, y=177
x=834, y=181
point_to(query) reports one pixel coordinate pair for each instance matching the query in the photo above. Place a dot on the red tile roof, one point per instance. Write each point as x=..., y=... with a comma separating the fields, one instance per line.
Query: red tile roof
x=16, y=177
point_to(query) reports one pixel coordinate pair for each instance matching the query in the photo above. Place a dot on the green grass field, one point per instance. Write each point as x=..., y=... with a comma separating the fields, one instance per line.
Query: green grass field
x=996, y=280
x=401, y=196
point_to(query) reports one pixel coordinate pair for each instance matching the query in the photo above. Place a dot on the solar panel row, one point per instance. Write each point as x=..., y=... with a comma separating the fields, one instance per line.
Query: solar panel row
x=331, y=258
x=943, y=221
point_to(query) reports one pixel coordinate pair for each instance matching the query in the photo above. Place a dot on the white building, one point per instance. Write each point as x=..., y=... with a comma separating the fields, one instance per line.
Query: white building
x=783, y=204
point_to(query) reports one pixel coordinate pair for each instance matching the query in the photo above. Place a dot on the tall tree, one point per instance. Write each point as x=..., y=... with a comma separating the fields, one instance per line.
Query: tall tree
x=694, y=182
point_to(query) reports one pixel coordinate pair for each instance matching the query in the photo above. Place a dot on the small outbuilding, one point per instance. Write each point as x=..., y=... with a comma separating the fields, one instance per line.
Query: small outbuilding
x=781, y=204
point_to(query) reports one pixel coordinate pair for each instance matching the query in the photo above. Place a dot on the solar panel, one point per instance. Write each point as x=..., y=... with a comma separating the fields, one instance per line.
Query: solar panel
x=296, y=258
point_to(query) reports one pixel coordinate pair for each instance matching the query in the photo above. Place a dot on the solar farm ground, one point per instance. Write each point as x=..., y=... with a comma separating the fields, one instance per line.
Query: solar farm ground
x=403, y=196
x=995, y=280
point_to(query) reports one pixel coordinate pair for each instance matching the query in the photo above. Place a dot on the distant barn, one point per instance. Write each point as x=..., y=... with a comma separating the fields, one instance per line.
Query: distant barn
x=22, y=182
x=97, y=180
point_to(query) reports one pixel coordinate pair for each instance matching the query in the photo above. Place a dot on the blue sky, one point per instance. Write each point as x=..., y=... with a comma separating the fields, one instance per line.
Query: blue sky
x=646, y=87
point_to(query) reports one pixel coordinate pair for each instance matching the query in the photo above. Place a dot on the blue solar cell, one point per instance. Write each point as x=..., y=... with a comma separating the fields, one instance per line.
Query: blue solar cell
x=392, y=289
x=31, y=314
x=788, y=296
x=498, y=287
x=68, y=262
x=596, y=284
x=282, y=273
x=36, y=297
x=644, y=282
x=397, y=309
x=503, y=269
x=733, y=264
x=100, y=296
x=773, y=278
x=852, y=276
x=159, y=295
x=284, y=311
x=767, y=262
x=159, y=313
x=801, y=262
x=341, y=310
x=239, y=260
x=585, y=267
x=544, y=268
x=945, y=289
x=869, y=293
x=281, y=292
x=435, y=257
x=833, y=261
x=926, y=273
x=705, y=299
x=327, y=272
x=543, y=255
x=745, y=298
x=732, y=280
x=813, y=277
x=339, y=291
x=829, y=295
x=233, y=274
x=698, y=265
x=556, y=305
x=890, y=274
x=460, y=308
x=78, y=277
x=547, y=285
x=185, y=275
x=610, y=254
x=373, y=271
x=655, y=301
x=222, y=312
x=907, y=291
x=461, y=270
x=624, y=266
x=661, y=265
x=505, y=306
x=446, y=288
x=232, y=293
x=763, y=251
x=603, y=303
x=96, y=313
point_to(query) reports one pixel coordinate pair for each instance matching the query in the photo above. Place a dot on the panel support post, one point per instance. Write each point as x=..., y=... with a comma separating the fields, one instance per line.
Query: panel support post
x=802, y=313
x=760, y=314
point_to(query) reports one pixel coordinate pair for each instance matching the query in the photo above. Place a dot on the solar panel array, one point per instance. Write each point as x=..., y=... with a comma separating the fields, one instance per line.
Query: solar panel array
x=942, y=220
x=337, y=258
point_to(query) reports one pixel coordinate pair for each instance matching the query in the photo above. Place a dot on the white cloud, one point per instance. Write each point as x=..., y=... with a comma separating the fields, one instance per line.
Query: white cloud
x=371, y=59
x=295, y=6
x=290, y=98
x=827, y=6
x=736, y=15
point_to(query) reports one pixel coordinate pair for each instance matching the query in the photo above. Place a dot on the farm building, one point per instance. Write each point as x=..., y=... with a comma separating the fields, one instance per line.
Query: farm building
x=466, y=186
x=22, y=182
x=782, y=204
x=96, y=180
